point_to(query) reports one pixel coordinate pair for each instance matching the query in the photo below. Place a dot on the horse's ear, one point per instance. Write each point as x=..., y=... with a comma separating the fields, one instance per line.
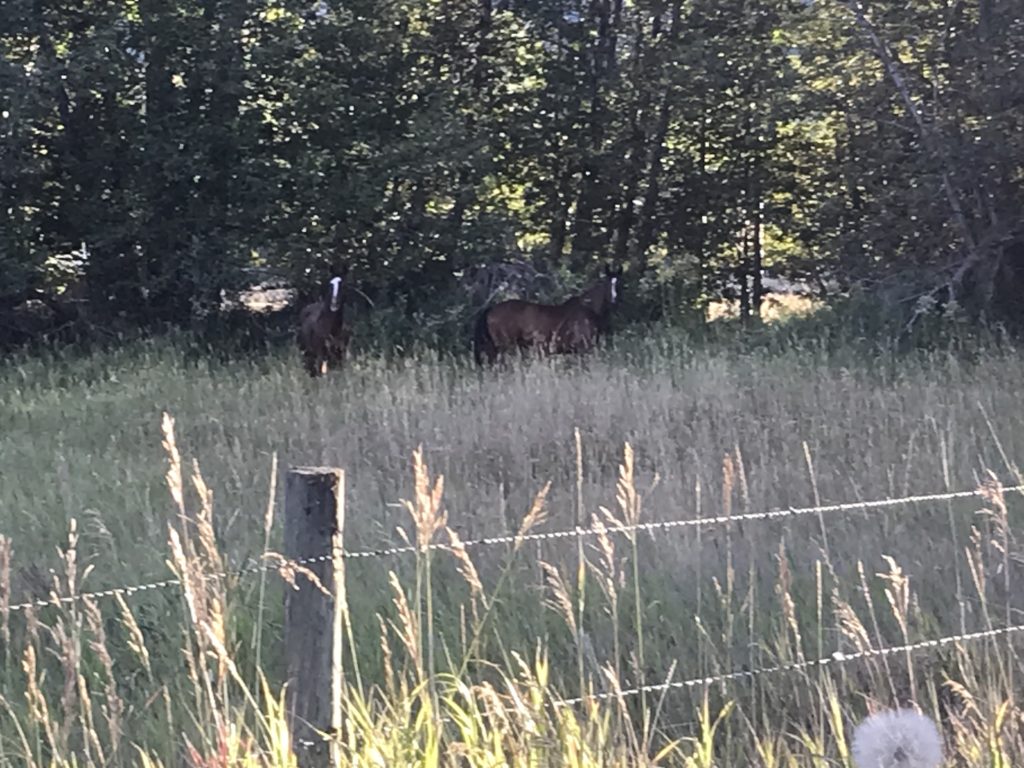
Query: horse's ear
x=608, y=269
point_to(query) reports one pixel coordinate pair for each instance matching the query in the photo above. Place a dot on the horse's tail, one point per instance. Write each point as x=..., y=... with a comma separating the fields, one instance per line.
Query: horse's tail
x=483, y=345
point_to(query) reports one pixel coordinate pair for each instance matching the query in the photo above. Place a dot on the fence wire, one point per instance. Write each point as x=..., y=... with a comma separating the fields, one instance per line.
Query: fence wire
x=665, y=525
x=837, y=658
x=569, y=533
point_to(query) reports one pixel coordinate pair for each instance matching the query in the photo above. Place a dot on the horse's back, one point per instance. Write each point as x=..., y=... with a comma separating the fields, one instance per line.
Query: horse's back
x=522, y=322
x=504, y=311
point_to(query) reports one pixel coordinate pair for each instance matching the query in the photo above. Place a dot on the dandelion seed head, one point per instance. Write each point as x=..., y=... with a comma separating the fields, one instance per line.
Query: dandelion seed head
x=897, y=738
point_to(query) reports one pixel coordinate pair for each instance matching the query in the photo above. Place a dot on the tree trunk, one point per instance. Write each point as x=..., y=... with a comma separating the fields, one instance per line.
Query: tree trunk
x=586, y=241
x=649, y=208
x=648, y=216
x=560, y=219
x=161, y=231
x=984, y=20
x=214, y=197
x=743, y=275
x=702, y=229
x=626, y=214
x=756, y=260
x=469, y=173
x=927, y=138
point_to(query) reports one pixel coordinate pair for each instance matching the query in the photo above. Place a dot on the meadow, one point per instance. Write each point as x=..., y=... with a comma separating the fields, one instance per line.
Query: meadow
x=467, y=656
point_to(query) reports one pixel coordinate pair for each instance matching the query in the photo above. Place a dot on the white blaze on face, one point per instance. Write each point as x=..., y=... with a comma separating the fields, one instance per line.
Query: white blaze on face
x=335, y=293
x=615, y=289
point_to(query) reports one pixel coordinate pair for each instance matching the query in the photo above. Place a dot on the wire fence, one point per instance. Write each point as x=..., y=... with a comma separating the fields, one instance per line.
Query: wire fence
x=742, y=675
x=666, y=525
x=733, y=676
x=839, y=657
x=541, y=536
x=98, y=594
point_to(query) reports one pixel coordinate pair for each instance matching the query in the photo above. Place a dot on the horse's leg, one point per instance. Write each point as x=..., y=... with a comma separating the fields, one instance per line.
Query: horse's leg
x=330, y=359
x=336, y=353
x=307, y=354
x=523, y=345
x=311, y=362
x=505, y=351
x=502, y=344
x=316, y=358
x=341, y=348
x=547, y=346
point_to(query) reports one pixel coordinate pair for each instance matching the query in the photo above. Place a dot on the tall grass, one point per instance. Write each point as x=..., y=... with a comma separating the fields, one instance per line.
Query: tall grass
x=464, y=654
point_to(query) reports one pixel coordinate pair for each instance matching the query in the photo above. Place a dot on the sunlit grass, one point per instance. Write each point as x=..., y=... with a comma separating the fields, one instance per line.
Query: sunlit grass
x=512, y=632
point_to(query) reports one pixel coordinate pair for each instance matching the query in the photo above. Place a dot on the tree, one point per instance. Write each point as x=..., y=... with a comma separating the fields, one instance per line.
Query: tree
x=700, y=142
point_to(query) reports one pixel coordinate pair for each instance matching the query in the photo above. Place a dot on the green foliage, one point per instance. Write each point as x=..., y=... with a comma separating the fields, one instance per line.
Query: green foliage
x=700, y=142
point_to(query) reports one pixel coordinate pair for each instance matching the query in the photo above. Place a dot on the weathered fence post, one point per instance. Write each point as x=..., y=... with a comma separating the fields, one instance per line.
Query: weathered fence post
x=314, y=526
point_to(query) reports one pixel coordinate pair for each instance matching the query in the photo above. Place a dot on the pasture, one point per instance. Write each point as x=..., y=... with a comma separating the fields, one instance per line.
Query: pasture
x=481, y=644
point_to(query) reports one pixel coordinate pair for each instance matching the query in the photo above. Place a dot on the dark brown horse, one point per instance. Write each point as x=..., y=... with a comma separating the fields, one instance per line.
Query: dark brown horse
x=570, y=327
x=323, y=337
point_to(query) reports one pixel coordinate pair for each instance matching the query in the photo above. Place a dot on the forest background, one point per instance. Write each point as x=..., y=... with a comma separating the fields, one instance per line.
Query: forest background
x=159, y=159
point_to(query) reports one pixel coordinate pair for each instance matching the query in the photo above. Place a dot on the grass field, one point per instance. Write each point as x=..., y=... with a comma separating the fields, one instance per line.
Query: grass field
x=724, y=429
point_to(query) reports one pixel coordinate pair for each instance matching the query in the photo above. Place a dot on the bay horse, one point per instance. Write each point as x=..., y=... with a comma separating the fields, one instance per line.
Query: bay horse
x=322, y=336
x=570, y=327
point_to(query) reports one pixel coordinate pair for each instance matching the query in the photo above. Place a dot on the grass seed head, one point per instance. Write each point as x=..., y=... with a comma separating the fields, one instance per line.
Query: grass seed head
x=897, y=738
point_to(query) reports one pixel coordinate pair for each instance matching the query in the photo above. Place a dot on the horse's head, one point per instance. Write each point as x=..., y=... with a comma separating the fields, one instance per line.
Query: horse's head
x=332, y=288
x=603, y=294
x=606, y=292
x=333, y=296
x=613, y=283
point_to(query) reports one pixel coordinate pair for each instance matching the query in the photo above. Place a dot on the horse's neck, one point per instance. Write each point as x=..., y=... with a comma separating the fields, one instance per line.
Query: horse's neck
x=337, y=317
x=595, y=297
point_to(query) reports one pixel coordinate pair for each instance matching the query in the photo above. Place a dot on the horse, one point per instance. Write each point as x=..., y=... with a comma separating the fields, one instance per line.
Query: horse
x=568, y=328
x=322, y=336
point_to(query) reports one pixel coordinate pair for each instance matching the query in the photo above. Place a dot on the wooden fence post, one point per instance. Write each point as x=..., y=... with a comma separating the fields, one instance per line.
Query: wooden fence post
x=314, y=527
